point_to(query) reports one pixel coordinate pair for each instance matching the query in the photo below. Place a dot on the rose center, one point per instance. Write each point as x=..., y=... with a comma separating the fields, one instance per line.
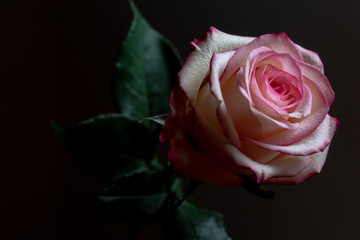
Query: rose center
x=277, y=86
x=282, y=86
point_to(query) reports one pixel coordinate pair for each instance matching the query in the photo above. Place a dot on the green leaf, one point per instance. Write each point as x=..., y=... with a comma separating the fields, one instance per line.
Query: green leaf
x=145, y=72
x=139, y=209
x=142, y=183
x=108, y=146
x=139, y=198
x=133, y=167
x=188, y=222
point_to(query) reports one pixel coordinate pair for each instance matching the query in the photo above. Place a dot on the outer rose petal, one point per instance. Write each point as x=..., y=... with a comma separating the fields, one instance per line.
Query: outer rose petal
x=318, y=160
x=207, y=104
x=315, y=142
x=185, y=158
x=213, y=143
x=318, y=77
x=218, y=64
x=311, y=58
x=175, y=123
x=197, y=64
x=192, y=163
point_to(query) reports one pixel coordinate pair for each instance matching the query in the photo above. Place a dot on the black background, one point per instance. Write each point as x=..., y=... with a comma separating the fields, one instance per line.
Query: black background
x=57, y=63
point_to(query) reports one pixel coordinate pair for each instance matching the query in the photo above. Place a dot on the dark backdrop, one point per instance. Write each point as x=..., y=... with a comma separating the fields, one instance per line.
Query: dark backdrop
x=58, y=57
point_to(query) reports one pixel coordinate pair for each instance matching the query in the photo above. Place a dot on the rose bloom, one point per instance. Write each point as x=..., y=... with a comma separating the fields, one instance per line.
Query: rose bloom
x=249, y=106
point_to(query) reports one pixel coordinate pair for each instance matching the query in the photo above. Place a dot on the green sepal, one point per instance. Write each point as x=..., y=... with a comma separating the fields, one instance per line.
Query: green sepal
x=146, y=70
x=256, y=188
x=188, y=222
x=108, y=146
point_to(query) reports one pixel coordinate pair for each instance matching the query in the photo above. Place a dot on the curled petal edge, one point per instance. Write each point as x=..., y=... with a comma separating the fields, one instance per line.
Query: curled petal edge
x=318, y=160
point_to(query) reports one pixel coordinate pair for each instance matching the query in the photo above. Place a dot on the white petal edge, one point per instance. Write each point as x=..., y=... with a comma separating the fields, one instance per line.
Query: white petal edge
x=197, y=64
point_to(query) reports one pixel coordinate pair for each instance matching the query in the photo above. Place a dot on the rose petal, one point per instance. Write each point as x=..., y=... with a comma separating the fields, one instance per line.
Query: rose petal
x=258, y=107
x=278, y=97
x=318, y=77
x=315, y=142
x=304, y=107
x=185, y=158
x=248, y=121
x=213, y=143
x=257, y=153
x=282, y=61
x=278, y=42
x=207, y=104
x=264, y=105
x=190, y=162
x=286, y=166
x=311, y=58
x=261, y=57
x=175, y=121
x=318, y=160
x=217, y=66
x=197, y=64
x=308, y=124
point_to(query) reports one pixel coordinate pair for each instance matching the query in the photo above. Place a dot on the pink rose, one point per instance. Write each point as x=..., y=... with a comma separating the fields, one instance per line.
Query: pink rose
x=250, y=106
